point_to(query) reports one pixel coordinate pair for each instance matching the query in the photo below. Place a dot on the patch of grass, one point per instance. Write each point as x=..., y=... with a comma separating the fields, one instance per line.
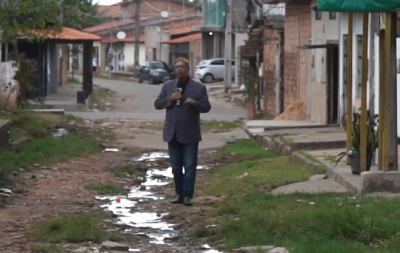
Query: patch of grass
x=333, y=224
x=330, y=158
x=239, y=178
x=74, y=228
x=105, y=188
x=72, y=117
x=310, y=157
x=36, y=248
x=17, y=134
x=125, y=171
x=32, y=124
x=47, y=150
x=221, y=125
x=101, y=96
x=73, y=80
x=248, y=149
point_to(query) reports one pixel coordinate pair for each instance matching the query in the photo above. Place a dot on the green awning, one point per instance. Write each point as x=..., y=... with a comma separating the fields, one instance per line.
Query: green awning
x=358, y=5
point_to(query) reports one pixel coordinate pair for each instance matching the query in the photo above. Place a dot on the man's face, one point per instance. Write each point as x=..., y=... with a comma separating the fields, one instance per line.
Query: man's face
x=181, y=70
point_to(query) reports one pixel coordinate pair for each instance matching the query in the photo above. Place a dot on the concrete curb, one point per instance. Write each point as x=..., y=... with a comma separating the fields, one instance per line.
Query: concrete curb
x=277, y=145
x=333, y=174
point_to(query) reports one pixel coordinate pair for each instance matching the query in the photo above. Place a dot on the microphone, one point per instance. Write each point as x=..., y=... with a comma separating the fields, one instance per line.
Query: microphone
x=179, y=90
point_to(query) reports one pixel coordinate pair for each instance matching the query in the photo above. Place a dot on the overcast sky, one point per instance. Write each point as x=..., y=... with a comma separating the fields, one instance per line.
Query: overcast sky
x=108, y=2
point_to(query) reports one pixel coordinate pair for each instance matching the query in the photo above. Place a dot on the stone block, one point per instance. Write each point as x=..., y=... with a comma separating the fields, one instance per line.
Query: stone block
x=380, y=181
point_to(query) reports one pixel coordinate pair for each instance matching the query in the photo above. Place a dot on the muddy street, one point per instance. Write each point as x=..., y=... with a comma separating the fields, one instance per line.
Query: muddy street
x=125, y=186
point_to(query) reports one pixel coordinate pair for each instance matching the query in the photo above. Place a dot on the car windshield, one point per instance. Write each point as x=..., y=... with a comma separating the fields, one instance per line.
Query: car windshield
x=156, y=65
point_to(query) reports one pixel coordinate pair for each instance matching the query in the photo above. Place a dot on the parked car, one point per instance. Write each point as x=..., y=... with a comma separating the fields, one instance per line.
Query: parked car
x=155, y=72
x=211, y=70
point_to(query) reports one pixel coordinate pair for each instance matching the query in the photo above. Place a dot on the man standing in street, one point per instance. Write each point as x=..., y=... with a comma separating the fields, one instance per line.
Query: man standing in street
x=184, y=100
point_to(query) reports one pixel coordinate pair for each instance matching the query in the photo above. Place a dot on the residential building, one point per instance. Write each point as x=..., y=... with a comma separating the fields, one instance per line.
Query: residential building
x=117, y=54
x=213, y=29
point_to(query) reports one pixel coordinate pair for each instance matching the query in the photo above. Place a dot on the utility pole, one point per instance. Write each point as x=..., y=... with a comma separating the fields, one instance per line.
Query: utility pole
x=228, y=46
x=137, y=36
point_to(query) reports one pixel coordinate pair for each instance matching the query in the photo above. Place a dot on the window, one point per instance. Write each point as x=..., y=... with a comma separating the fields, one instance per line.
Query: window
x=332, y=15
x=318, y=15
x=359, y=65
x=214, y=12
x=217, y=62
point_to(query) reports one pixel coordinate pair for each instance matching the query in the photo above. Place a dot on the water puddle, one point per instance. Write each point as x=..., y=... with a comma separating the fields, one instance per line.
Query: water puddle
x=132, y=209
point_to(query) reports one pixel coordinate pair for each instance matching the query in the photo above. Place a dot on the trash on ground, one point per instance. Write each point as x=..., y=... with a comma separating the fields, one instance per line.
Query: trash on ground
x=59, y=132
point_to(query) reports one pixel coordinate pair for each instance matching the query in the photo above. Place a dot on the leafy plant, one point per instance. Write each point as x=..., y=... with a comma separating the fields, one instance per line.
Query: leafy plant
x=27, y=77
x=372, y=134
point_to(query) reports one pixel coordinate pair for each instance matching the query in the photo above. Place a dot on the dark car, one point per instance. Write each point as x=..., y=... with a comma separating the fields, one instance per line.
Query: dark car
x=155, y=72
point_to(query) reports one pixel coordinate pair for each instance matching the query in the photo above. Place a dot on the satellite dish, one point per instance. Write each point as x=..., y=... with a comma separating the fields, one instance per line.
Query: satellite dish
x=121, y=35
x=164, y=14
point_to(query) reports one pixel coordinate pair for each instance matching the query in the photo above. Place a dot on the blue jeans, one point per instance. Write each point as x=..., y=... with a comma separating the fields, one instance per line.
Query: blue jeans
x=183, y=155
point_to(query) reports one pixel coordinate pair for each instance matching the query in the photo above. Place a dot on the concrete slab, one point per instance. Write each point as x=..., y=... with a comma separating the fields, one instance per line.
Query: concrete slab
x=312, y=186
x=4, y=134
x=53, y=111
x=279, y=123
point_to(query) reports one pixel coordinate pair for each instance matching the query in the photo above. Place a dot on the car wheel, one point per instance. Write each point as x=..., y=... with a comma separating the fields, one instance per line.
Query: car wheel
x=208, y=78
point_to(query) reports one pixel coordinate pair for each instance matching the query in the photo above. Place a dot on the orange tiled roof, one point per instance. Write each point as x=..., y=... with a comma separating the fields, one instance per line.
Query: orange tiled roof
x=107, y=26
x=65, y=34
x=184, y=39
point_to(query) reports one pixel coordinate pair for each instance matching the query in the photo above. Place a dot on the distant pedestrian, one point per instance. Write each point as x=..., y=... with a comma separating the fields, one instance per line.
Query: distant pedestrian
x=184, y=99
x=94, y=63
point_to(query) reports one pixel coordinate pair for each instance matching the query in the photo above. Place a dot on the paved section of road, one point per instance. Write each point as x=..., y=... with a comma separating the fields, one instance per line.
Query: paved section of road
x=141, y=103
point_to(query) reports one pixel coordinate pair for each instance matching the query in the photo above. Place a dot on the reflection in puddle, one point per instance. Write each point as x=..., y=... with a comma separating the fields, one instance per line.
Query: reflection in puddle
x=127, y=210
x=152, y=157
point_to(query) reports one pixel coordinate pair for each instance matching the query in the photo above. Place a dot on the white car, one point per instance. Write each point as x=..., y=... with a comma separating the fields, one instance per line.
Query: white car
x=211, y=70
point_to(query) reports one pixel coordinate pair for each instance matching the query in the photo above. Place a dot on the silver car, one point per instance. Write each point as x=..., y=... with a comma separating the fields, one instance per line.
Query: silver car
x=213, y=69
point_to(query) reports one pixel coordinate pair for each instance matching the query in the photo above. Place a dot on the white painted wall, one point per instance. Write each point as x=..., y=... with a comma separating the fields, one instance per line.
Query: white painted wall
x=129, y=53
x=357, y=29
x=322, y=31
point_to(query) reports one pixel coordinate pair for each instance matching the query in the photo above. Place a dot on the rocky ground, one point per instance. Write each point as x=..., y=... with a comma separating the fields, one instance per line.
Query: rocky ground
x=48, y=192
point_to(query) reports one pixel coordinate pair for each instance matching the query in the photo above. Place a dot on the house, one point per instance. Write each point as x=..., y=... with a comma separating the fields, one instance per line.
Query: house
x=213, y=29
x=46, y=54
x=188, y=46
x=264, y=50
x=117, y=54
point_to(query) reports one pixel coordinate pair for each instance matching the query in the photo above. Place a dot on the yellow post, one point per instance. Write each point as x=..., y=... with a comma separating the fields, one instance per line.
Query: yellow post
x=349, y=85
x=385, y=125
x=364, y=73
x=381, y=97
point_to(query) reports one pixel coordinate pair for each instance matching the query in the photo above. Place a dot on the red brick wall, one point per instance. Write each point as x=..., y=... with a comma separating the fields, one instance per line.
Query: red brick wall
x=297, y=32
x=270, y=38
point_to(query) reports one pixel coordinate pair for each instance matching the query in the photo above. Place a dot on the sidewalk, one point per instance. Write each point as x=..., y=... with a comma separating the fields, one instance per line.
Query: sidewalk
x=318, y=145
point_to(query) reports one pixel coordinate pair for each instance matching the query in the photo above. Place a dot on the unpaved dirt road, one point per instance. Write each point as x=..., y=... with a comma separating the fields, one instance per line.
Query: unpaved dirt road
x=145, y=221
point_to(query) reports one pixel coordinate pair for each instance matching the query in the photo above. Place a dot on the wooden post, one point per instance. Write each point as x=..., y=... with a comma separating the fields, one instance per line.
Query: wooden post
x=381, y=97
x=364, y=74
x=385, y=125
x=392, y=98
x=349, y=85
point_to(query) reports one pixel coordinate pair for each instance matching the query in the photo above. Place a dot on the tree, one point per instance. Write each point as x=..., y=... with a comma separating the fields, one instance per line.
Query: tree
x=79, y=14
x=20, y=16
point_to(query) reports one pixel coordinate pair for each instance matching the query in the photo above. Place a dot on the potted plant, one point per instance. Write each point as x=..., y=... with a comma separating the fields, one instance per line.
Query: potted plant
x=372, y=141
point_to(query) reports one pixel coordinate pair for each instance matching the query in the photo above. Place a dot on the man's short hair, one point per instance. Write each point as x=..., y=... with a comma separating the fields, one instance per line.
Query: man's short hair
x=186, y=61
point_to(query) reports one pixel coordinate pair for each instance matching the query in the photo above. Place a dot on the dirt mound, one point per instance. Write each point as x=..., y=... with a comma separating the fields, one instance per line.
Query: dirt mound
x=295, y=111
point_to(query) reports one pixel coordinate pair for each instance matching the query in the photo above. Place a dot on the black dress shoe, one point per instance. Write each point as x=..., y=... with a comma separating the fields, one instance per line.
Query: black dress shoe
x=177, y=200
x=187, y=201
